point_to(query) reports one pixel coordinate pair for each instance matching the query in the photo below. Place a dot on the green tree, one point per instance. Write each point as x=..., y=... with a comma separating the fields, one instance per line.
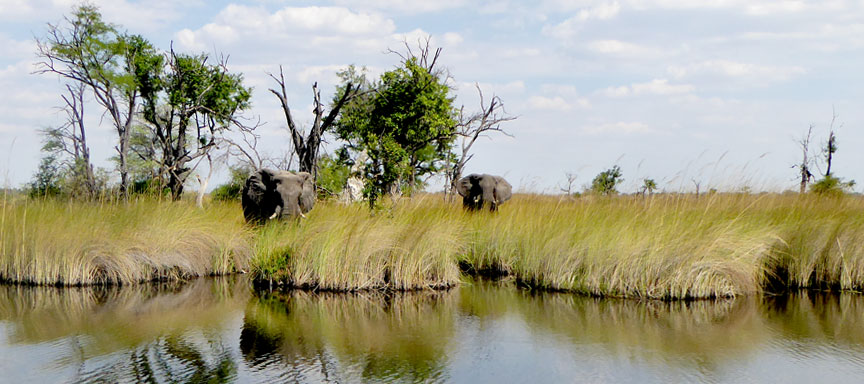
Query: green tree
x=86, y=50
x=406, y=126
x=606, y=182
x=648, y=186
x=234, y=187
x=47, y=179
x=188, y=105
x=333, y=172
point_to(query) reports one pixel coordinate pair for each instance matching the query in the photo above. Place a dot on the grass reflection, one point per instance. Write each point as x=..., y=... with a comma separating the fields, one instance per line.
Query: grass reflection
x=372, y=336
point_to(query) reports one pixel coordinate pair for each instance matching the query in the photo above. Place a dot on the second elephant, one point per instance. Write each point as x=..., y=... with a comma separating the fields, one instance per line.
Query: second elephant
x=270, y=194
x=478, y=190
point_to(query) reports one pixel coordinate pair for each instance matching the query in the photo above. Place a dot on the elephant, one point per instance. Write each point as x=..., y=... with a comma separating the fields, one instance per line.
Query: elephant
x=270, y=194
x=478, y=190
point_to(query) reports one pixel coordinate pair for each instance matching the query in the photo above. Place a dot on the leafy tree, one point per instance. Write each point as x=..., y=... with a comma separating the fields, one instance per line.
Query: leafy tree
x=648, y=186
x=188, y=104
x=234, y=187
x=831, y=186
x=333, y=172
x=406, y=126
x=47, y=179
x=606, y=182
x=86, y=50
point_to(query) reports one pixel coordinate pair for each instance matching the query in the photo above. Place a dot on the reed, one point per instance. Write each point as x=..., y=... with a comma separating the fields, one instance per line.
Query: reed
x=669, y=246
x=79, y=243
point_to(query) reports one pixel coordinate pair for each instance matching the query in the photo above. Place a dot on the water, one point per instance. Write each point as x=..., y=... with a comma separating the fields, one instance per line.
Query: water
x=217, y=330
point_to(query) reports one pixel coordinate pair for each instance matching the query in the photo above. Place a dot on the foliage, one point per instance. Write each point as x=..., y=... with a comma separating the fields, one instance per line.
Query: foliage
x=333, y=173
x=234, y=187
x=648, y=186
x=406, y=126
x=47, y=179
x=606, y=182
x=831, y=186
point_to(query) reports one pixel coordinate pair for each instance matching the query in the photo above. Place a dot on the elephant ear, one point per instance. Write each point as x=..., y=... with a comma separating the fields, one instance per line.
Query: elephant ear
x=256, y=185
x=307, y=191
x=463, y=185
x=503, y=190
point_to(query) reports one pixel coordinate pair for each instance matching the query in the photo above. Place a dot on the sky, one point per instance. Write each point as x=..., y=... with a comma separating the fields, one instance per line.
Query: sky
x=713, y=93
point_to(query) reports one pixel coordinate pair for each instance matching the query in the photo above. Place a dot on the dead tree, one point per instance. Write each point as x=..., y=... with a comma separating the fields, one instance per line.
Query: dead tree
x=804, y=166
x=568, y=187
x=71, y=139
x=831, y=145
x=472, y=127
x=306, y=148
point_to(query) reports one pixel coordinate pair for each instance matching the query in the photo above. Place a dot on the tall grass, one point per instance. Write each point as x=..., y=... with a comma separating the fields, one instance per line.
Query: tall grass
x=659, y=247
x=75, y=243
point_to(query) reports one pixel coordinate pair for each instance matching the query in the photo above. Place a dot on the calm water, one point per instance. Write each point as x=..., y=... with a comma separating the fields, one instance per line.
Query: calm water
x=217, y=330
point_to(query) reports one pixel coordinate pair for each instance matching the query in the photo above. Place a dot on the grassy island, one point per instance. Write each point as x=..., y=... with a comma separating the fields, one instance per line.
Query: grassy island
x=664, y=246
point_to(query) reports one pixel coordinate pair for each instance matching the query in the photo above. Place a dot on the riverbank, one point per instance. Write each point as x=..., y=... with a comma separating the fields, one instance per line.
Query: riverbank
x=657, y=247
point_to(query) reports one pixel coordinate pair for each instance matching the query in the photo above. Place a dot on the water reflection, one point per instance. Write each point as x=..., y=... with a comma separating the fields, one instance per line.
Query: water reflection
x=346, y=337
x=217, y=330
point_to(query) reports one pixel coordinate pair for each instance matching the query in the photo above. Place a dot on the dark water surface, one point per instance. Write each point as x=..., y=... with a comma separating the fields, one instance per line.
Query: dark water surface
x=217, y=330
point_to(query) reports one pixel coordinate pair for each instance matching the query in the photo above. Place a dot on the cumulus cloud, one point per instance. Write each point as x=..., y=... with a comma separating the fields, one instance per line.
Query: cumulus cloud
x=404, y=6
x=323, y=24
x=659, y=87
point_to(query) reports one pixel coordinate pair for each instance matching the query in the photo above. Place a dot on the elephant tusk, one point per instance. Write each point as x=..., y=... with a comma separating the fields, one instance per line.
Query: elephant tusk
x=276, y=213
x=302, y=215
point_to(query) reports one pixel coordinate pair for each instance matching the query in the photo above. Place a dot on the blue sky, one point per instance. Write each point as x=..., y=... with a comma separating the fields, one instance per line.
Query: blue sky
x=714, y=92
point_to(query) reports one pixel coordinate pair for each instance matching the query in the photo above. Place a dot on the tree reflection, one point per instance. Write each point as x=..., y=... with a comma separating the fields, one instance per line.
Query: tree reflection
x=347, y=337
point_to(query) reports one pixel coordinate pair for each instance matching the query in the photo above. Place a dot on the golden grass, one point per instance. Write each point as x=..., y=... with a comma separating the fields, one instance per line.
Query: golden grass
x=75, y=243
x=660, y=247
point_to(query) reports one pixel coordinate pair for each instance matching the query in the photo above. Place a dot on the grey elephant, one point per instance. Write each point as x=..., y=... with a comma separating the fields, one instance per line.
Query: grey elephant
x=271, y=194
x=479, y=190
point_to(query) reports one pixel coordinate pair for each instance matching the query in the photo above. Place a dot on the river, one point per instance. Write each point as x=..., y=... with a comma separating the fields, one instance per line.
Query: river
x=220, y=330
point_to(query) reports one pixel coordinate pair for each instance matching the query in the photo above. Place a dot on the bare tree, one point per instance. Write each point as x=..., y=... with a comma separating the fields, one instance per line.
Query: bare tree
x=804, y=166
x=473, y=126
x=306, y=148
x=71, y=139
x=568, y=188
x=830, y=145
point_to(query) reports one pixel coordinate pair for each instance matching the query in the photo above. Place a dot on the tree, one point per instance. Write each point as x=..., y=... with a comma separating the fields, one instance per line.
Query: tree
x=648, y=186
x=830, y=184
x=473, y=126
x=406, y=125
x=188, y=105
x=47, y=179
x=804, y=166
x=68, y=144
x=86, y=50
x=606, y=182
x=307, y=148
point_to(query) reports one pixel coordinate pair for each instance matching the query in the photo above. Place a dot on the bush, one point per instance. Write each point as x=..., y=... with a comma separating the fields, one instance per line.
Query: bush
x=606, y=182
x=333, y=172
x=831, y=186
x=234, y=187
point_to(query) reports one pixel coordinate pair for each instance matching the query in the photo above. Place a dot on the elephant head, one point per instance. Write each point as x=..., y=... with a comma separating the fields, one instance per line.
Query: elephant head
x=270, y=194
x=479, y=190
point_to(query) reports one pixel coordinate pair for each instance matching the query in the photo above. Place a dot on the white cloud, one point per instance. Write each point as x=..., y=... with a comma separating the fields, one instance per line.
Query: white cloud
x=624, y=49
x=556, y=103
x=734, y=69
x=654, y=87
x=572, y=25
x=404, y=6
x=315, y=25
x=619, y=128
